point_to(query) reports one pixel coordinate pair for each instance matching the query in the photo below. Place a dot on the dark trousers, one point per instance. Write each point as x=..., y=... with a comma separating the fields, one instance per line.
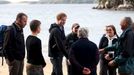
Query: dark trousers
x=57, y=65
x=15, y=67
x=105, y=69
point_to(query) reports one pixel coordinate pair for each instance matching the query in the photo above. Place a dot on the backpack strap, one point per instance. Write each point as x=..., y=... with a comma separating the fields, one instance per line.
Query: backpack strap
x=14, y=30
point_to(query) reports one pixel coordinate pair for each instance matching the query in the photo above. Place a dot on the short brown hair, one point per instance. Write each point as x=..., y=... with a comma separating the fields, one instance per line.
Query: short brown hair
x=34, y=24
x=60, y=16
x=20, y=15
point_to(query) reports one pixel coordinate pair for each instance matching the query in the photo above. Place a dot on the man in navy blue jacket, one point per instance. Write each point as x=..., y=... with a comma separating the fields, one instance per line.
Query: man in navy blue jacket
x=83, y=55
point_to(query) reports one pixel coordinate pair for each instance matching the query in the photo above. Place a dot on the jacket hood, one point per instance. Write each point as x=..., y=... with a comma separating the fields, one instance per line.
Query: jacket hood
x=54, y=25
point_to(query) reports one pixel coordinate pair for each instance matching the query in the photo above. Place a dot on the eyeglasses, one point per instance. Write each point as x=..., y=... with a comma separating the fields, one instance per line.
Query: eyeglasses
x=108, y=29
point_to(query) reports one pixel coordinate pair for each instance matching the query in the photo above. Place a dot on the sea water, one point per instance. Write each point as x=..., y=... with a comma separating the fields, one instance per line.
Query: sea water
x=94, y=20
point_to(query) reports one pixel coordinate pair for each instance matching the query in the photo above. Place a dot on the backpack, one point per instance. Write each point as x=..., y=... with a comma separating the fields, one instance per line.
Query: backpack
x=3, y=30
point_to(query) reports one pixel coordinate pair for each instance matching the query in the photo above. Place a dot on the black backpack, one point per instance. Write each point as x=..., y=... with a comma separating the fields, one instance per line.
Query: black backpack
x=3, y=30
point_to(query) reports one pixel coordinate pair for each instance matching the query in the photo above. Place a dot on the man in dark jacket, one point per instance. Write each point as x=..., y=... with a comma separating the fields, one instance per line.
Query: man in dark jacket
x=84, y=55
x=70, y=39
x=14, y=45
x=56, y=47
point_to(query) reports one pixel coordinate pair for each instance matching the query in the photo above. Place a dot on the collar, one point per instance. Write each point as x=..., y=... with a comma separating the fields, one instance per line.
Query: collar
x=124, y=32
x=17, y=26
x=111, y=38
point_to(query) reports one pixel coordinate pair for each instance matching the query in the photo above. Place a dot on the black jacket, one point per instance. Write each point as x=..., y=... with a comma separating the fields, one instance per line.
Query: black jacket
x=104, y=43
x=83, y=53
x=14, y=47
x=70, y=39
x=56, y=46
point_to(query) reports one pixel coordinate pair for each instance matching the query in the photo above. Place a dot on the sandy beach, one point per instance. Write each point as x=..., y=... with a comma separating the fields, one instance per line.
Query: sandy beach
x=47, y=69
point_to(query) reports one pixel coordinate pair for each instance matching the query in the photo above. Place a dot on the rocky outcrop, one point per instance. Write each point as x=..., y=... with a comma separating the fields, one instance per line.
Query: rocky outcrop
x=115, y=4
x=128, y=4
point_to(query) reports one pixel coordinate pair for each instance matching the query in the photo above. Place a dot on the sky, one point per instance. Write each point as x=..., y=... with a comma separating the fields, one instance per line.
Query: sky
x=14, y=1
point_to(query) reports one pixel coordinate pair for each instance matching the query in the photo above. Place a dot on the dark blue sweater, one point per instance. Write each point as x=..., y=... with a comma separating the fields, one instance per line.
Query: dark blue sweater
x=84, y=53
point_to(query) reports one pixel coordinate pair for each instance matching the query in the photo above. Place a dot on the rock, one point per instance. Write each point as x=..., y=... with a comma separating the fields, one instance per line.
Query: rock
x=116, y=4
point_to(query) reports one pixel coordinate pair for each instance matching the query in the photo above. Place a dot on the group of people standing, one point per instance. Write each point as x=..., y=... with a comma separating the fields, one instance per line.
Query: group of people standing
x=82, y=55
x=117, y=52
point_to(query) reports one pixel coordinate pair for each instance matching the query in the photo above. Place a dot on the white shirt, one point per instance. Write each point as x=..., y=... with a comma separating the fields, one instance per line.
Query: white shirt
x=110, y=39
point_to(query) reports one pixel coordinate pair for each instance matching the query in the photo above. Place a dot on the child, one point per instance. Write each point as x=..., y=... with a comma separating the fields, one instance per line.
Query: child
x=35, y=60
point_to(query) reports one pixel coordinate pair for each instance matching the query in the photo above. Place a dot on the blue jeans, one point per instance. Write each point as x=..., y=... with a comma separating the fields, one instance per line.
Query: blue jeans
x=57, y=65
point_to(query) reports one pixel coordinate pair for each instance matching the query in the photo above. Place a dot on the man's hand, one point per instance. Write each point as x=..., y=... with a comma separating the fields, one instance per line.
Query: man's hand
x=86, y=71
x=101, y=50
x=107, y=57
x=112, y=63
x=68, y=62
